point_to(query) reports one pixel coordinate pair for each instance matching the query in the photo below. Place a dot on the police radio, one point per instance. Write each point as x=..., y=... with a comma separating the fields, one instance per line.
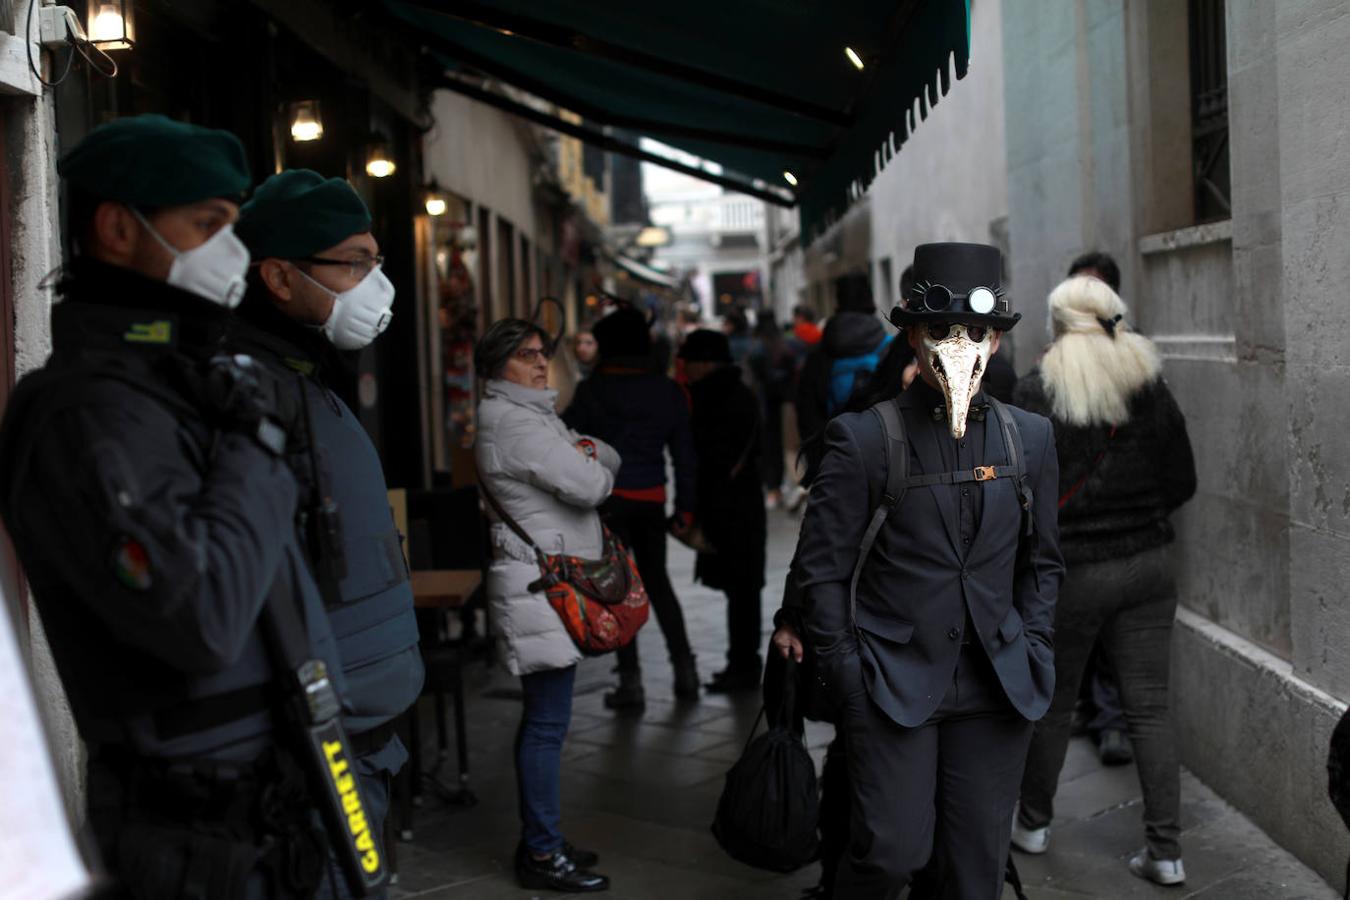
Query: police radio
x=314, y=715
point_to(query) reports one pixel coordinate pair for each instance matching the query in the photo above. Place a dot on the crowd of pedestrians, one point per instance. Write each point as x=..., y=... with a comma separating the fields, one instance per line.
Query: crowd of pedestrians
x=207, y=533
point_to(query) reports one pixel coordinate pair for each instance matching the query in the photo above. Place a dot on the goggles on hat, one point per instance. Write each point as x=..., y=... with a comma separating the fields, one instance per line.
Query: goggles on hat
x=939, y=298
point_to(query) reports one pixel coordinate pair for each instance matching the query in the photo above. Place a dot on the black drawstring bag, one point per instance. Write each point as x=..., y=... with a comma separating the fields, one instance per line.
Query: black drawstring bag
x=769, y=808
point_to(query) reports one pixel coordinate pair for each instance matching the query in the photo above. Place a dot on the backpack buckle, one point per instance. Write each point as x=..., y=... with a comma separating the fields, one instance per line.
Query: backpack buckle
x=985, y=473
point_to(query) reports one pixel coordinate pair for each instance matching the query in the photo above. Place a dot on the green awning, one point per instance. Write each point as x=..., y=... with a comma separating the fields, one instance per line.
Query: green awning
x=761, y=87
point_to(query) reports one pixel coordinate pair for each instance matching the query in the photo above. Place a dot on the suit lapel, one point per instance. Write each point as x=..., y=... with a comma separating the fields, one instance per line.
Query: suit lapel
x=923, y=435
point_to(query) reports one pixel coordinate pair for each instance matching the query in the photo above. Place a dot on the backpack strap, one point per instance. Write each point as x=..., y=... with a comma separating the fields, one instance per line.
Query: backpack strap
x=897, y=482
x=1012, y=443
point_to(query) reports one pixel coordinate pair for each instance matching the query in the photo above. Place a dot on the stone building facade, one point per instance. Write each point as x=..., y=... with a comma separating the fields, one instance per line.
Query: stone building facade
x=1106, y=128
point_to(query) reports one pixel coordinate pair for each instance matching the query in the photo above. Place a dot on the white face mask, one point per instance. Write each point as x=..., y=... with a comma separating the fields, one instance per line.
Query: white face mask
x=360, y=314
x=214, y=270
x=959, y=364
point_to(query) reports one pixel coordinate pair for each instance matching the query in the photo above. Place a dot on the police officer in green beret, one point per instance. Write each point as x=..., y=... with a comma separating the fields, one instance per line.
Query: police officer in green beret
x=144, y=480
x=316, y=284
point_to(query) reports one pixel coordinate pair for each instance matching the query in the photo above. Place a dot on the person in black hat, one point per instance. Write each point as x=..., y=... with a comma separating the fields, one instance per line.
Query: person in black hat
x=933, y=642
x=727, y=442
x=147, y=489
x=642, y=414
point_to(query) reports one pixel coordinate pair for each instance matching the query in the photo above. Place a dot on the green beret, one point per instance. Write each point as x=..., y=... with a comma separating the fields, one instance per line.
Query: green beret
x=151, y=161
x=298, y=213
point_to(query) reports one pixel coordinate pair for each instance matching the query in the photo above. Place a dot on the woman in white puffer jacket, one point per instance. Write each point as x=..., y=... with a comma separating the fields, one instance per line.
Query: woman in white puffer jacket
x=550, y=480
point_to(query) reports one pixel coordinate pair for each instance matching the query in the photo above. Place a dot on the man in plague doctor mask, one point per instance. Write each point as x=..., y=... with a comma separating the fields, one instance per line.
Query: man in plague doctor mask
x=930, y=564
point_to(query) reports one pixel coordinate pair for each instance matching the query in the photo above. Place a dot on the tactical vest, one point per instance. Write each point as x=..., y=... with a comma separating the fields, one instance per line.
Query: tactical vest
x=373, y=618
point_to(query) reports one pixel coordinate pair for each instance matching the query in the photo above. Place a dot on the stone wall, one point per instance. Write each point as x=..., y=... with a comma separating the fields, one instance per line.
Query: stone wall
x=35, y=250
x=1248, y=315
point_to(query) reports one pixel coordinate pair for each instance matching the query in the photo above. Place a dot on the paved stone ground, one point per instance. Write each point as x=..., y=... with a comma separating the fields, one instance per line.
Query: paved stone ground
x=642, y=791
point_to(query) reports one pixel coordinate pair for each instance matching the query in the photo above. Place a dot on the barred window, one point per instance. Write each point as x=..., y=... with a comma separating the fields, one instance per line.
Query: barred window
x=1209, y=110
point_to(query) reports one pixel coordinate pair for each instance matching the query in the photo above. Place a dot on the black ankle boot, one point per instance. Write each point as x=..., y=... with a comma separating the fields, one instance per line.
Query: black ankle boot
x=733, y=680
x=629, y=695
x=557, y=873
x=686, y=677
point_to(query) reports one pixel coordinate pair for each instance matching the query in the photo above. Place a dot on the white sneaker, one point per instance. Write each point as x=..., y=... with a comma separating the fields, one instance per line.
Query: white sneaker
x=1030, y=840
x=1158, y=871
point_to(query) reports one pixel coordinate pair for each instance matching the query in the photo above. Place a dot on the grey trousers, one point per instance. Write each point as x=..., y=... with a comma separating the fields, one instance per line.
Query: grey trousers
x=1131, y=603
x=947, y=787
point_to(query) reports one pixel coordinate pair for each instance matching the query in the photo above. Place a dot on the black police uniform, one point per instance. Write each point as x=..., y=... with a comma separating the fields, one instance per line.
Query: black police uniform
x=152, y=525
x=369, y=597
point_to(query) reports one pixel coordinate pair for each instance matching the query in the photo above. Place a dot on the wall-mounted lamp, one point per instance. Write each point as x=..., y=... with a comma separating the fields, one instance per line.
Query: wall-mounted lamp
x=790, y=178
x=111, y=25
x=379, y=164
x=435, y=202
x=306, y=123
x=854, y=58
x=652, y=236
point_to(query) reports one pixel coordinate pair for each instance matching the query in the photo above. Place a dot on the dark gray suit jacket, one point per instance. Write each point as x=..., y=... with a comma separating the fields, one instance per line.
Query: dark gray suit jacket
x=917, y=584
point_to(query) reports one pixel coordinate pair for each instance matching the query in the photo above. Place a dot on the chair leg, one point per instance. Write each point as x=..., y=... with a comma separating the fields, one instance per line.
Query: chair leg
x=405, y=782
x=461, y=735
x=442, y=739
x=391, y=849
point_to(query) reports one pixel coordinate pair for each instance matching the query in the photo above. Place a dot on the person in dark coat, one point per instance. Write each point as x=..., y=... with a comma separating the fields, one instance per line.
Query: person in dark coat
x=938, y=659
x=849, y=351
x=1099, y=710
x=641, y=413
x=727, y=442
x=773, y=366
x=1125, y=466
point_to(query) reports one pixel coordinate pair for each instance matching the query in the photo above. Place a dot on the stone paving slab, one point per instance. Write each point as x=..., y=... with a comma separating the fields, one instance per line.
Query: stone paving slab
x=642, y=790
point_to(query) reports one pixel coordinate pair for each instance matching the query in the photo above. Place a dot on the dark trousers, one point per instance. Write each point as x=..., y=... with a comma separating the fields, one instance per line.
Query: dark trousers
x=744, y=628
x=946, y=788
x=642, y=526
x=539, y=743
x=773, y=443
x=1130, y=604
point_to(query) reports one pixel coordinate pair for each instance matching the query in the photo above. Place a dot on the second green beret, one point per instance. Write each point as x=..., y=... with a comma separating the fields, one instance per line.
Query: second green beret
x=298, y=213
x=151, y=161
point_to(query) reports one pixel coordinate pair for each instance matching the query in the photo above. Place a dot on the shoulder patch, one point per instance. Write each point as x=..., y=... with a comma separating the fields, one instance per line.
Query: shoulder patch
x=158, y=332
x=131, y=564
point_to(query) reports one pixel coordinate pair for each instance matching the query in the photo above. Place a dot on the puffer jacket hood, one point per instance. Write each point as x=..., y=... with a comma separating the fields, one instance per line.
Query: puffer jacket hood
x=852, y=334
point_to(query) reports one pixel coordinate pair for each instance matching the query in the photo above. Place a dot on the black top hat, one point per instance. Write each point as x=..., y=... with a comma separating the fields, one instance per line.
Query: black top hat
x=957, y=283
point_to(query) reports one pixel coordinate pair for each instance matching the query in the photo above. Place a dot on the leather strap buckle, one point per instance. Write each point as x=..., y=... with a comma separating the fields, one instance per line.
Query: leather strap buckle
x=985, y=473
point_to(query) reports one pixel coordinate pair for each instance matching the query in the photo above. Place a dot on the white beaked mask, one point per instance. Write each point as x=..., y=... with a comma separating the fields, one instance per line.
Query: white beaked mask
x=958, y=355
x=214, y=270
x=359, y=315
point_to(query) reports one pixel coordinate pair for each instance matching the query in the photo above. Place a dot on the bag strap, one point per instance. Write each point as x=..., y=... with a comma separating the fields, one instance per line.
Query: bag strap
x=1078, y=485
x=1012, y=443
x=897, y=482
x=505, y=516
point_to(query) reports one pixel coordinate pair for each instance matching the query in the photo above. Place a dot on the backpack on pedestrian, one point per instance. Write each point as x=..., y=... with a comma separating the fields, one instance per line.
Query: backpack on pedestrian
x=767, y=814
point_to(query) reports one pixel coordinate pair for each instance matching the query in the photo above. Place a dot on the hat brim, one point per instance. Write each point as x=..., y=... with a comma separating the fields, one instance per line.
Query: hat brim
x=900, y=317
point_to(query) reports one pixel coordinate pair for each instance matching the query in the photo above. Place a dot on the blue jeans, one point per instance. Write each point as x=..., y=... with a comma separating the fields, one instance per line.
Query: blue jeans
x=539, y=741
